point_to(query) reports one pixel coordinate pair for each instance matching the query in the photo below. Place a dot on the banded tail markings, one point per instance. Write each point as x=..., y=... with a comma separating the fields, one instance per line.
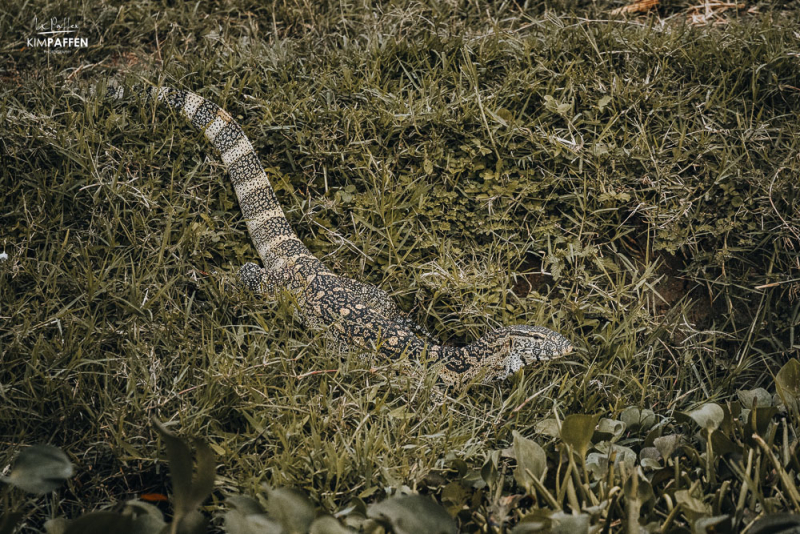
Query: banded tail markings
x=245, y=168
x=246, y=188
x=266, y=222
x=227, y=136
x=213, y=129
x=204, y=114
x=192, y=102
x=240, y=148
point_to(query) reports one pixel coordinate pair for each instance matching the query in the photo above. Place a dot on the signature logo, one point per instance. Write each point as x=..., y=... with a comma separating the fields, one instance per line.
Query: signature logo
x=56, y=32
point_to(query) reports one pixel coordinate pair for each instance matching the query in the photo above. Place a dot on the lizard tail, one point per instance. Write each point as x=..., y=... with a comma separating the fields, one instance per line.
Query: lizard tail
x=273, y=237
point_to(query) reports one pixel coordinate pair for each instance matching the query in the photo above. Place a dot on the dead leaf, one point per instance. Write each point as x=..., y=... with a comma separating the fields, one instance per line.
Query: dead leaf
x=640, y=6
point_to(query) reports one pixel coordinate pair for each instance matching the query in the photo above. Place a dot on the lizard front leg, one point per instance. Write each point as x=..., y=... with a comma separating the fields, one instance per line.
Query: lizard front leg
x=260, y=280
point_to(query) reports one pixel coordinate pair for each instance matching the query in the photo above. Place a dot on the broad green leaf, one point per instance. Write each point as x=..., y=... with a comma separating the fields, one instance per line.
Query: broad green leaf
x=630, y=416
x=556, y=523
x=622, y=455
x=719, y=524
x=531, y=460
x=723, y=445
x=683, y=498
x=754, y=397
x=203, y=483
x=455, y=493
x=548, y=427
x=489, y=471
x=536, y=521
x=100, y=523
x=246, y=505
x=651, y=453
x=239, y=522
x=597, y=464
x=570, y=524
x=460, y=466
x=192, y=522
x=650, y=464
x=454, y=496
x=647, y=419
x=291, y=509
x=189, y=493
x=666, y=445
x=787, y=383
x=652, y=435
x=145, y=518
x=56, y=525
x=328, y=525
x=473, y=479
x=610, y=429
x=40, y=469
x=635, y=418
x=744, y=415
x=726, y=427
x=708, y=416
x=577, y=430
x=248, y=517
x=413, y=514
x=758, y=420
x=644, y=490
x=179, y=457
x=693, y=508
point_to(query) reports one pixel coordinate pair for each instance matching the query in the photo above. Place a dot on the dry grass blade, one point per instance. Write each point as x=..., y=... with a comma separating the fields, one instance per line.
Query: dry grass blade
x=710, y=12
x=631, y=183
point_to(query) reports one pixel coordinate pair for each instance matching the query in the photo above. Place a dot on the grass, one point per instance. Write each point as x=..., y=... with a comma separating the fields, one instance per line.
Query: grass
x=629, y=183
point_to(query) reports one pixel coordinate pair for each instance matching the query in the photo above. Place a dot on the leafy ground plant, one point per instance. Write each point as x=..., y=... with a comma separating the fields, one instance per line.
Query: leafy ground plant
x=646, y=472
x=42, y=468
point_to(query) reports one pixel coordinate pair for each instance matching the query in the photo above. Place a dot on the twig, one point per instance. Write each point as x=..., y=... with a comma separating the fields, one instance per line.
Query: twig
x=773, y=284
x=318, y=372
